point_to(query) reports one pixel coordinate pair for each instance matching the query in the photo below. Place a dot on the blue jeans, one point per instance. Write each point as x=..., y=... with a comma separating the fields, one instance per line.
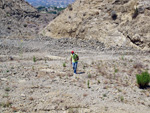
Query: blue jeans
x=74, y=65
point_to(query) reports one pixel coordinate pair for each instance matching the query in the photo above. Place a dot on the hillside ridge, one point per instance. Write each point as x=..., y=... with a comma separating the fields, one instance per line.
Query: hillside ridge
x=88, y=19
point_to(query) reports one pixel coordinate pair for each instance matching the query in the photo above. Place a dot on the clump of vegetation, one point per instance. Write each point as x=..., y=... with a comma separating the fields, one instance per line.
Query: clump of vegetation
x=98, y=82
x=34, y=59
x=135, y=14
x=7, y=89
x=143, y=79
x=122, y=58
x=32, y=67
x=88, y=83
x=45, y=60
x=113, y=15
x=104, y=95
x=119, y=90
x=64, y=64
x=7, y=71
x=121, y=98
x=116, y=70
x=89, y=76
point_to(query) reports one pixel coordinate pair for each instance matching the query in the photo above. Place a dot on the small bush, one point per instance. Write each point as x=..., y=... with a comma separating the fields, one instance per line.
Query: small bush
x=143, y=79
x=121, y=98
x=64, y=64
x=135, y=14
x=88, y=84
x=104, y=95
x=116, y=70
x=7, y=89
x=89, y=76
x=34, y=59
x=98, y=82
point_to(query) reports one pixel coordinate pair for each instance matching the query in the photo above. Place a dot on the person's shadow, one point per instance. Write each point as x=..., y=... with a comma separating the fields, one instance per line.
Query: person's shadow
x=80, y=72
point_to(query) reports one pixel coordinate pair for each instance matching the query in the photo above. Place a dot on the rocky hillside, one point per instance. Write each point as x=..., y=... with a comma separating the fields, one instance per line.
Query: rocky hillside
x=19, y=19
x=113, y=22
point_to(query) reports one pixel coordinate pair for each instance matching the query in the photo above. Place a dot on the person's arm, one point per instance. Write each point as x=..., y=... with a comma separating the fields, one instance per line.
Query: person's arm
x=71, y=60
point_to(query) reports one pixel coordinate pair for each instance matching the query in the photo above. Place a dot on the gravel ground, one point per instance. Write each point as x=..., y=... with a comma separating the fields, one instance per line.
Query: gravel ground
x=33, y=78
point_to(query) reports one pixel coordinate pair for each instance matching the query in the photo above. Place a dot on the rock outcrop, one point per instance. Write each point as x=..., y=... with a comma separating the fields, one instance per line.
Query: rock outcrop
x=113, y=22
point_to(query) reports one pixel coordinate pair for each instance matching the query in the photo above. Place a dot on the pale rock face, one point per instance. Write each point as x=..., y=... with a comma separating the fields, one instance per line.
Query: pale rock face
x=92, y=19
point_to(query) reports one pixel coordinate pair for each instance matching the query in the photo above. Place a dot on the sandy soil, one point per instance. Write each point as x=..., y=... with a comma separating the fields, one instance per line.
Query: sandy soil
x=36, y=76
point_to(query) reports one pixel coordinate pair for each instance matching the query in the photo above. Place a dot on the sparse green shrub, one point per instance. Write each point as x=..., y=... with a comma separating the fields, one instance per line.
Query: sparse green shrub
x=121, y=98
x=143, y=79
x=131, y=60
x=135, y=14
x=34, y=59
x=8, y=104
x=88, y=83
x=32, y=67
x=2, y=104
x=7, y=89
x=98, y=82
x=89, y=75
x=116, y=70
x=119, y=90
x=8, y=14
x=122, y=57
x=64, y=64
x=104, y=95
x=83, y=67
x=45, y=60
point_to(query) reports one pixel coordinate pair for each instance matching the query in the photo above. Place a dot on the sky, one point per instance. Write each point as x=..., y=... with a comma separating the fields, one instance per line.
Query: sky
x=59, y=3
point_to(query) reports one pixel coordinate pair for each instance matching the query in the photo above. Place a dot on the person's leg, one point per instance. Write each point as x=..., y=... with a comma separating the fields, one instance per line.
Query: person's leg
x=73, y=65
x=75, y=70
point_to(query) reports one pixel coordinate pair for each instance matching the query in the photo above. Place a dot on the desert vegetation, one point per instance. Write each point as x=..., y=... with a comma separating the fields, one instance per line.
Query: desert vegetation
x=143, y=79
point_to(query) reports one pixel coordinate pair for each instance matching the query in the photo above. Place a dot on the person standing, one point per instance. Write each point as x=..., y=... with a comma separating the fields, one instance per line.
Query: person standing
x=74, y=61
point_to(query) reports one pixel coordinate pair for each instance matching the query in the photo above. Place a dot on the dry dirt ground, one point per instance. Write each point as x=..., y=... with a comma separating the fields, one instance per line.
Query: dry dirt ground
x=36, y=76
